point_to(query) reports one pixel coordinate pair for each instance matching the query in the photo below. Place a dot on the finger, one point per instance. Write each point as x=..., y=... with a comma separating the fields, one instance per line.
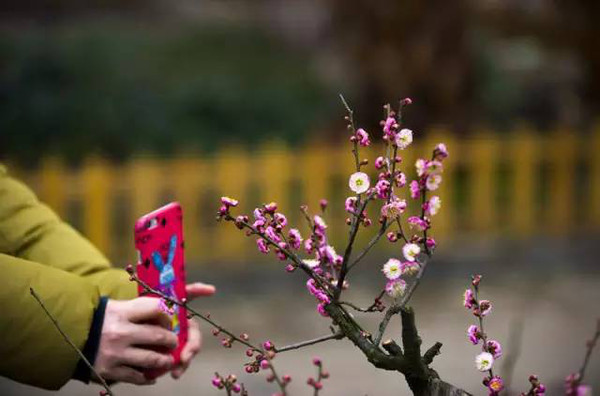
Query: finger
x=148, y=334
x=144, y=309
x=146, y=358
x=130, y=375
x=191, y=348
x=199, y=289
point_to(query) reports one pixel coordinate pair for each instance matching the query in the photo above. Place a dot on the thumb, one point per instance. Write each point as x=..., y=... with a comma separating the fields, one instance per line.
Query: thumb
x=199, y=289
x=147, y=309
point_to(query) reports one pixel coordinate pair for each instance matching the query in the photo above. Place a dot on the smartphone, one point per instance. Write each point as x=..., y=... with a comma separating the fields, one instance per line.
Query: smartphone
x=160, y=249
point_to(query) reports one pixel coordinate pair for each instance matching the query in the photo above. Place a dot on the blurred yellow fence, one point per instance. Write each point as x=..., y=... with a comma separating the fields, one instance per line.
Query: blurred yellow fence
x=511, y=185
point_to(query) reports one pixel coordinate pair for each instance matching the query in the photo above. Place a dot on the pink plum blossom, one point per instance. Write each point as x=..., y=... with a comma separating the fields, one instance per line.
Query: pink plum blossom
x=469, y=299
x=415, y=189
x=271, y=207
x=294, y=238
x=280, y=219
x=363, y=137
x=395, y=288
x=262, y=245
x=350, y=204
x=400, y=180
x=495, y=385
x=485, y=307
x=382, y=188
x=418, y=223
x=410, y=268
x=229, y=202
x=494, y=347
x=309, y=246
x=379, y=162
x=473, y=333
x=271, y=233
x=394, y=209
x=319, y=223
x=440, y=152
x=388, y=125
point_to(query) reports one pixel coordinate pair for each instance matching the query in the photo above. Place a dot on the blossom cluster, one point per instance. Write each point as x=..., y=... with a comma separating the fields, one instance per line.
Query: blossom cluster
x=491, y=350
x=229, y=384
x=573, y=386
x=317, y=383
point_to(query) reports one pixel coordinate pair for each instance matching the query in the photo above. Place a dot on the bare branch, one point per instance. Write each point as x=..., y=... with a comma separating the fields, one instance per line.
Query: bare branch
x=71, y=343
x=432, y=352
x=318, y=340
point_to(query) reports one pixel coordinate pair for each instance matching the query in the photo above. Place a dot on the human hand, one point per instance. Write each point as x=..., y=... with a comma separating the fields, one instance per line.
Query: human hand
x=194, y=343
x=130, y=329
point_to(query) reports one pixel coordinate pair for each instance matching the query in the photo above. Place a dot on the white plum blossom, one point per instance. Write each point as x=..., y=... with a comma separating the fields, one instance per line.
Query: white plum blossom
x=392, y=269
x=433, y=182
x=359, y=182
x=434, y=205
x=484, y=361
x=420, y=165
x=411, y=251
x=311, y=263
x=404, y=138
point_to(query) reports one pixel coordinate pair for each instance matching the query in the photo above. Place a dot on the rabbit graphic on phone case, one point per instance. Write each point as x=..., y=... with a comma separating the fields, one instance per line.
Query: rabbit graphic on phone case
x=167, y=277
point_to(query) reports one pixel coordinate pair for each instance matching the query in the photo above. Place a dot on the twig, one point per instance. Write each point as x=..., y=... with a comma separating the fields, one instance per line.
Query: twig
x=348, y=252
x=371, y=308
x=590, y=347
x=384, y=227
x=318, y=340
x=71, y=343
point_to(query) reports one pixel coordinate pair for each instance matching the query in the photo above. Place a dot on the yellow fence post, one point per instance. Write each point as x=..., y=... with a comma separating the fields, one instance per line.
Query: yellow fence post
x=483, y=155
x=525, y=170
x=561, y=155
x=314, y=171
x=96, y=182
x=230, y=177
x=442, y=222
x=52, y=185
x=187, y=177
x=273, y=175
x=594, y=181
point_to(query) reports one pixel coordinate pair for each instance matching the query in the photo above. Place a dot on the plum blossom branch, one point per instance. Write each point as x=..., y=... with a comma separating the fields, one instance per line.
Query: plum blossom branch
x=107, y=390
x=573, y=382
x=336, y=336
x=263, y=352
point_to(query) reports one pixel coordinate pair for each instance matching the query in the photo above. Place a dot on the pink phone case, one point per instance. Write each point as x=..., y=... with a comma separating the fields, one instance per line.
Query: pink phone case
x=160, y=246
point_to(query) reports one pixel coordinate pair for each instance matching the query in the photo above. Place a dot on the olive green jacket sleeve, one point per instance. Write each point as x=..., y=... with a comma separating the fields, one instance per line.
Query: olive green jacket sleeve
x=38, y=250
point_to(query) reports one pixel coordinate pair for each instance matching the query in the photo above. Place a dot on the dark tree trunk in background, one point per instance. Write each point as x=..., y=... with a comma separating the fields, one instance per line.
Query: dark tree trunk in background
x=416, y=48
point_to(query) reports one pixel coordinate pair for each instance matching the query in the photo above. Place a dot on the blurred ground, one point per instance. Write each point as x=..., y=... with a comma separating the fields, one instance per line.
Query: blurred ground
x=551, y=286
